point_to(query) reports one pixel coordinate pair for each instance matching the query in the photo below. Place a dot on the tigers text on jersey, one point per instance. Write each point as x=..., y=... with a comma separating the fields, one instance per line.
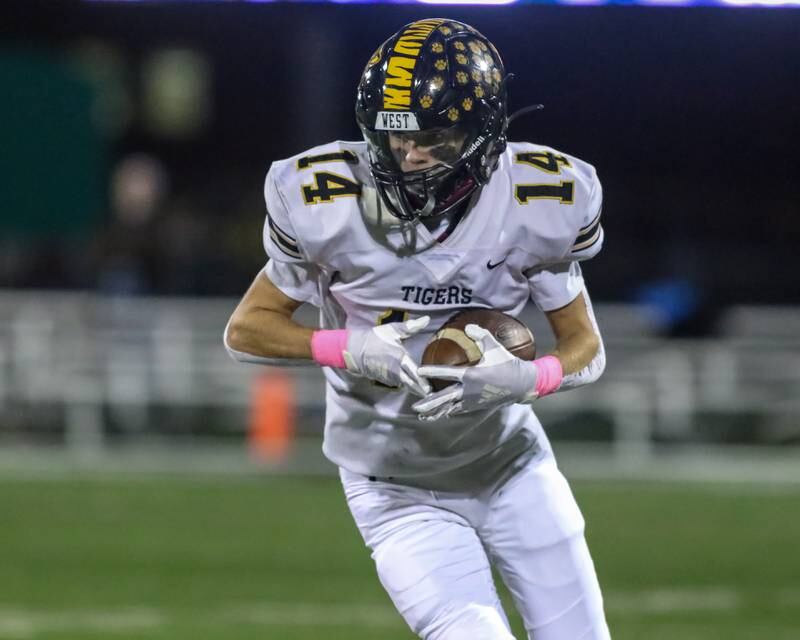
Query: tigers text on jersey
x=330, y=243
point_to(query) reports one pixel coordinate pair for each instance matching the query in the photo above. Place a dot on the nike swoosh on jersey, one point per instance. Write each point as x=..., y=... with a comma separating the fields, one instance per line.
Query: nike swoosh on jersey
x=491, y=266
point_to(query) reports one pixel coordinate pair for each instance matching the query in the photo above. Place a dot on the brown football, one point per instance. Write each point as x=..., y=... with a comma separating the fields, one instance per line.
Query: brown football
x=451, y=346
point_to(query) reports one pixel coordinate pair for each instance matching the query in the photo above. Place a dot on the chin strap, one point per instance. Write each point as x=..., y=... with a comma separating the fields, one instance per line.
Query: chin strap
x=429, y=206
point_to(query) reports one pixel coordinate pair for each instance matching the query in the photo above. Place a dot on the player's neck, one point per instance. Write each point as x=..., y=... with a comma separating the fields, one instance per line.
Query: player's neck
x=443, y=225
x=456, y=217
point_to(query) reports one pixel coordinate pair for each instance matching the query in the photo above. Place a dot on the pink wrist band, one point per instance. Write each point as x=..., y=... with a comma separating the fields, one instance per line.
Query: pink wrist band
x=327, y=347
x=549, y=375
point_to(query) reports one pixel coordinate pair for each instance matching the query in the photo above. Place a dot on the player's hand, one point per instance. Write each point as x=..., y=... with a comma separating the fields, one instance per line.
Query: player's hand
x=500, y=378
x=378, y=354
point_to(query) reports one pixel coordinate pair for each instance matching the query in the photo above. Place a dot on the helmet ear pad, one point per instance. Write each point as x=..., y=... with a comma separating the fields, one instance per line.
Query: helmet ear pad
x=495, y=145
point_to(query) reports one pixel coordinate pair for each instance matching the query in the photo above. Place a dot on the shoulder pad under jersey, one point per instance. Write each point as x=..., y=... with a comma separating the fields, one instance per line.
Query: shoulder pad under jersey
x=296, y=188
x=558, y=198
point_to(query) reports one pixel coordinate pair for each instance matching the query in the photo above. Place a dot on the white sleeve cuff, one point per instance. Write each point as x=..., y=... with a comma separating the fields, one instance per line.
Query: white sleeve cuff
x=298, y=281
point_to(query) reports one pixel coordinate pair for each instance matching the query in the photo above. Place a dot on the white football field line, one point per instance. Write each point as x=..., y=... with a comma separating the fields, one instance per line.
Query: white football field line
x=27, y=623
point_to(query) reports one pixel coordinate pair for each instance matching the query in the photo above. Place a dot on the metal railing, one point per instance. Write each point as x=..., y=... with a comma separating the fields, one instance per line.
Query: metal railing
x=85, y=370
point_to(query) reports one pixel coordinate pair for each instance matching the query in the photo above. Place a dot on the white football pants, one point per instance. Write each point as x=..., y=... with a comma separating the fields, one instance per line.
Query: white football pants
x=433, y=550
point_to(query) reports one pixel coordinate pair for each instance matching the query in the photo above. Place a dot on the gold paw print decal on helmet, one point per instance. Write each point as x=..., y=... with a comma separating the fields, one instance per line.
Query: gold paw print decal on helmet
x=461, y=58
x=477, y=75
x=445, y=30
x=482, y=46
x=437, y=82
x=437, y=47
x=496, y=74
x=453, y=114
x=461, y=77
x=473, y=46
x=459, y=46
x=440, y=64
x=478, y=91
x=426, y=102
x=466, y=104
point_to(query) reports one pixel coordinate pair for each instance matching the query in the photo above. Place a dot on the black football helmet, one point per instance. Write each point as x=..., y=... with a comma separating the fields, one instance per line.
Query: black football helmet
x=439, y=85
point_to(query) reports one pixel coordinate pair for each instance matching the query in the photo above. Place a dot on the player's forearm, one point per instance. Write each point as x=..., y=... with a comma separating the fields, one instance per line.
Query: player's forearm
x=576, y=351
x=267, y=334
x=579, y=345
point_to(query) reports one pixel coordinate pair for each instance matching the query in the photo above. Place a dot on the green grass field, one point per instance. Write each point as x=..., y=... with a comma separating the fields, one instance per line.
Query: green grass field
x=122, y=557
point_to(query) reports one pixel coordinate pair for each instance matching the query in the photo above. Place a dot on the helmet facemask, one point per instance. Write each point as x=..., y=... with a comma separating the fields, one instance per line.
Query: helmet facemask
x=463, y=162
x=420, y=174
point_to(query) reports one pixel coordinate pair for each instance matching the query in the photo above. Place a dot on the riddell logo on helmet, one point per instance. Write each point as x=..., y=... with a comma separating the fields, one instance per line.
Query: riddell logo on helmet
x=478, y=142
x=401, y=64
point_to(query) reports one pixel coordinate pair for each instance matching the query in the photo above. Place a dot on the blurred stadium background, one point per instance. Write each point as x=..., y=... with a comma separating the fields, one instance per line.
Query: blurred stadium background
x=151, y=488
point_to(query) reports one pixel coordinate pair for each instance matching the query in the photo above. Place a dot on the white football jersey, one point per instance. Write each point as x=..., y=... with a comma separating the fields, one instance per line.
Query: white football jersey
x=331, y=244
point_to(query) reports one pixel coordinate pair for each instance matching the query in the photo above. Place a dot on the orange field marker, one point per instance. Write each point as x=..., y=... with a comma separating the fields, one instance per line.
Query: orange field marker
x=272, y=415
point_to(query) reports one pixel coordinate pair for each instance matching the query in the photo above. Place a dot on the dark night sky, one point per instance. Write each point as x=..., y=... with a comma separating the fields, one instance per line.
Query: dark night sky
x=688, y=114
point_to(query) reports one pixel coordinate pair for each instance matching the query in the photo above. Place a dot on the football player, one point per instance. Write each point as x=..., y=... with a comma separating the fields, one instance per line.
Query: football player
x=433, y=212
